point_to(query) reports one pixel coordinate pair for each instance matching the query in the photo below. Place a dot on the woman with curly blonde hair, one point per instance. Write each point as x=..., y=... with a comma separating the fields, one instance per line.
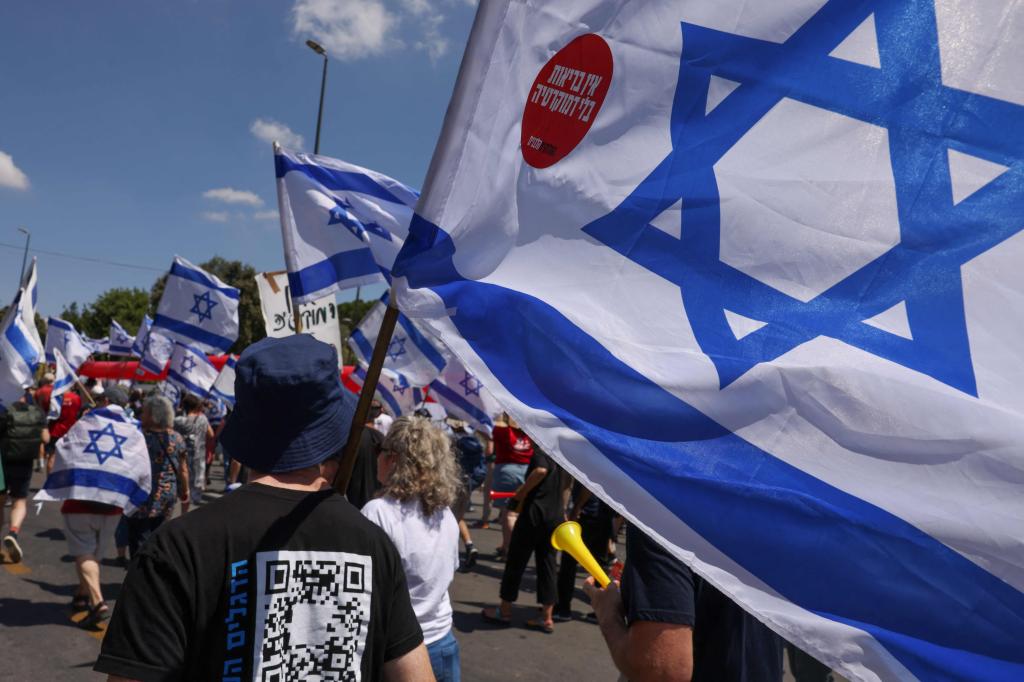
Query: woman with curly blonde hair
x=421, y=480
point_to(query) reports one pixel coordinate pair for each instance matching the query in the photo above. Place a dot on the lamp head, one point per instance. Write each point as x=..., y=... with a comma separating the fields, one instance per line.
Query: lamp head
x=316, y=47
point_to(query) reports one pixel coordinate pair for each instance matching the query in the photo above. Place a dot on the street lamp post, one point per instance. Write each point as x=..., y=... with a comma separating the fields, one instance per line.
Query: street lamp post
x=316, y=47
x=24, y=258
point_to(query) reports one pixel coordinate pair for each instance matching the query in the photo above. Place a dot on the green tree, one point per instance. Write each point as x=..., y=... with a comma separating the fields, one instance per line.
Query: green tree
x=242, y=276
x=127, y=306
x=350, y=314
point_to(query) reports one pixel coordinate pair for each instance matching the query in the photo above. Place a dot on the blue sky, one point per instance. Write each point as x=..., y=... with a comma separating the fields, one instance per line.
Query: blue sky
x=133, y=131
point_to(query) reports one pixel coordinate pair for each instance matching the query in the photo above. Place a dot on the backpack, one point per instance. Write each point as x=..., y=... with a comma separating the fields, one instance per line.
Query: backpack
x=22, y=433
x=471, y=458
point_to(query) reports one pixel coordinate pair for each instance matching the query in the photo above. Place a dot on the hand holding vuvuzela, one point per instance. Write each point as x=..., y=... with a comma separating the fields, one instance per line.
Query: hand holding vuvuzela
x=569, y=538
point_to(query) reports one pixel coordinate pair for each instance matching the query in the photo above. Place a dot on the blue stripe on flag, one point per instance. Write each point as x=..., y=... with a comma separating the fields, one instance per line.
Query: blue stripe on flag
x=173, y=375
x=835, y=538
x=396, y=409
x=111, y=414
x=363, y=343
x=338, y=268
x=421, y=343
x=179, y=270
x=19, y=341
x=60, y=324
x=461, y=403
x=193, y=332
x=336, y=180
x=96, y=478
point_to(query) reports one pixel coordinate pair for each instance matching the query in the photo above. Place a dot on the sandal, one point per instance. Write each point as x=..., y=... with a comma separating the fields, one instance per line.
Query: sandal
x=492, y=615
x=547, y=627
x=97, y=615
x=80, y=603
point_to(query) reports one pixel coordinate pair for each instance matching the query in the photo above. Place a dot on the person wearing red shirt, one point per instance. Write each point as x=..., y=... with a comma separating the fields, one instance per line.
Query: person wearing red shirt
x=513, y=450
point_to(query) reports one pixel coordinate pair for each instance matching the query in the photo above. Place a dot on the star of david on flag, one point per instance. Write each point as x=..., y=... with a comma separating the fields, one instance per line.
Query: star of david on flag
x=394, y=390
x=138, y=345
x=342, y=225
x=411, y=353
x=462, y=396
x=121, y=342
x=191, y=370
x=102, y=458
x=197, y=308
x=771, y=313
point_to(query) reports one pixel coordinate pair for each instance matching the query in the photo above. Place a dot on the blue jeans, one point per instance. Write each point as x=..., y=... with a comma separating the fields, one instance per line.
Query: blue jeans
x=444, y=659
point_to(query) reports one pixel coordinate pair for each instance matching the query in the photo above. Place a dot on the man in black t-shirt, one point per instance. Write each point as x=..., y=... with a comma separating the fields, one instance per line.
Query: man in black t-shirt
x=282, y=579
x=670, y=625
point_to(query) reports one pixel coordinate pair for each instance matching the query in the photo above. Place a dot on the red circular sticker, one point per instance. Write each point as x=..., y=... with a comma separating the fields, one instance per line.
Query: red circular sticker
x=565, y=99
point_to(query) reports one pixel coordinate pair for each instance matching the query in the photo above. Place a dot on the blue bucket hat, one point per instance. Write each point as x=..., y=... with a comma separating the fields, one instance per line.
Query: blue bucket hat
x=291, y=411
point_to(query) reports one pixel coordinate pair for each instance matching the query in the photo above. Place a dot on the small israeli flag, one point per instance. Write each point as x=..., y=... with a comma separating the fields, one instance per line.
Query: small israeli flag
x=97, y=345
x=197, y=308
x=140, y=336
x=460, y=392
x=121, y=342
x=28, y=311
x=342, y=225
x=156, y=351
x=62, y=335
x=63, y=383
x=191, y=370
x=394, y=390
x=224, y=386
x=410, y=354
x=103, y=458
x=19, y=353
x=169, y=391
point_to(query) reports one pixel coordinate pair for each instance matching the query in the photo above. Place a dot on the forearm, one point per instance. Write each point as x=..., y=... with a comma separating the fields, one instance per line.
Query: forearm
x=616, y=636
x=532, y=481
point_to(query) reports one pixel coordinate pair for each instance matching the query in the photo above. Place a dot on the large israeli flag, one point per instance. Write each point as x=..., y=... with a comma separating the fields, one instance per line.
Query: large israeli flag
x=156, y=352
x=138, y=346
x=772, y=313
x=224, y=386
x=462, y=395
x=394, y=390
x=103, y=458
x=121, y=342
x=411, y=354
x=342, y=225
x=28, y=310
x=197, y=308
x=191, y=370
x=62, y=335
x=19, y=352
x=63, y=382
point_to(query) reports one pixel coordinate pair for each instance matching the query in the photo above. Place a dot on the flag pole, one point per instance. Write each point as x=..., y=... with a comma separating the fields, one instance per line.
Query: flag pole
x=284, y=243
x=380, y=351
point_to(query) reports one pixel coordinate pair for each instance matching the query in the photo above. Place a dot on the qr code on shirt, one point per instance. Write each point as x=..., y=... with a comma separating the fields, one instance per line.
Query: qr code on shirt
x=312, y=615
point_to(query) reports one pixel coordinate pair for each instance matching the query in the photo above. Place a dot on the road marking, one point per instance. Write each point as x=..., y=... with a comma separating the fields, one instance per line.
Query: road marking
x=17, y=569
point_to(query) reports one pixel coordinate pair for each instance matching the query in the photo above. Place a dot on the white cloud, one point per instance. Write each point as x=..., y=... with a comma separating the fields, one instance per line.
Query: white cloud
x=230, y=195
x=265, y=215
x=215, y=216
x=10, y=175
x=348, y=29
x=269, y=130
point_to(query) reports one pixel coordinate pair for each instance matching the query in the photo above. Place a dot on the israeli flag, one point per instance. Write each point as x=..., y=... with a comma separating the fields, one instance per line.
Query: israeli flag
x=103, y=458
x=156, y=352
x=394, y=390
x=772, y=312
x=64, y=382
x=410, y=353
x=97, y=346
x=190, y=370
x=121, y=342
x=169, y=391
x=28, y=311
x=138, y=345
x=342, y=225
x=197, y=308
x=462, y=395
x=19, y=353
x=224, y=386
x=63, y=336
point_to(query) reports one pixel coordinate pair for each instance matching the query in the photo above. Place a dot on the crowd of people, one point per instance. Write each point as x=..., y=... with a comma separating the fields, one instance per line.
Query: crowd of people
x=283, y=575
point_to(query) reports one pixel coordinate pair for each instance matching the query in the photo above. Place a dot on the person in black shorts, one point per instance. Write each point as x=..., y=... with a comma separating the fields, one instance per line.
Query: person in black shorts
x=22, y=437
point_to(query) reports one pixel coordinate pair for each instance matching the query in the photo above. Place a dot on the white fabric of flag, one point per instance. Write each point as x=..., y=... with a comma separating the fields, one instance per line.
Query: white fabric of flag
x=191, y=370
x=97, y=346
x=28, y=311
x=394, y=390
x=121, y=342
x=62, y=335
x=751, y=271
x=64, y=381
x=138, y=345
x=342, y=225
x=462, y=395
x=224, y=386
x=102, y=458
x=197, y=308
x=411, y=354
x=169, y=391
x=156, y=352
x=19, y=353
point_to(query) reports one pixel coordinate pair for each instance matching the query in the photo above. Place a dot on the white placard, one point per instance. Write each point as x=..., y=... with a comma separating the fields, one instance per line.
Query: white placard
x=319, y=318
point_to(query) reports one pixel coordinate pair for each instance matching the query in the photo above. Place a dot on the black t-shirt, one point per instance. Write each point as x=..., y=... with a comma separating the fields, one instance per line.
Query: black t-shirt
x=364, y=484
x=544, y=503
x=265, y=583
x=728, y=643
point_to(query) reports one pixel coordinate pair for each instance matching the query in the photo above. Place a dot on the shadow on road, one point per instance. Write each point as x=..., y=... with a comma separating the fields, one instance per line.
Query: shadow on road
x=111, y=590
x=21, y=613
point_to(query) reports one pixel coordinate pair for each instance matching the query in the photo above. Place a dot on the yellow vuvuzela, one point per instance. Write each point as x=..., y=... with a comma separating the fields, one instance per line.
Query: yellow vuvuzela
x=568, y=538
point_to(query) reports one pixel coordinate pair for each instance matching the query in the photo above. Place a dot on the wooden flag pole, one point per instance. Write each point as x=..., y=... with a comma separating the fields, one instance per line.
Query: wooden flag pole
x=380, y=352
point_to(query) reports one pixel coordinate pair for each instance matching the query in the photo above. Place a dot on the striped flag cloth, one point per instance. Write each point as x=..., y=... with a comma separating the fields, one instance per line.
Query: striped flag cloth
x=138, y=345
x=191, y=370
x=121, y=342
x=63, y=382
x=751, y=272
x=224, y=386
x=19, y=353
x=342, y=225
x=62, y=335
x=411, y=354
x=462, y=395
x=197, y=308
x=156, y=351
x=28, y=311
x=395, y=390
x=103, y=458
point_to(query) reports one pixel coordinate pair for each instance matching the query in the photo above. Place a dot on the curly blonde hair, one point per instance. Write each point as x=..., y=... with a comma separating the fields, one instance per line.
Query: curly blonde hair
x=425, y=466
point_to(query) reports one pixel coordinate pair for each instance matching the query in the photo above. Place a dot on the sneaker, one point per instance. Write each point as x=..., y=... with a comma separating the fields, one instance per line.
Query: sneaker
x=561, y=617
x=470, y=560
x=13, y=548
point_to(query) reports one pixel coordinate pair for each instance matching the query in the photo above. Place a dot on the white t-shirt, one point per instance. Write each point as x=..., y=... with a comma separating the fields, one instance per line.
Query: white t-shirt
x=383, y=422
x=429, y=548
